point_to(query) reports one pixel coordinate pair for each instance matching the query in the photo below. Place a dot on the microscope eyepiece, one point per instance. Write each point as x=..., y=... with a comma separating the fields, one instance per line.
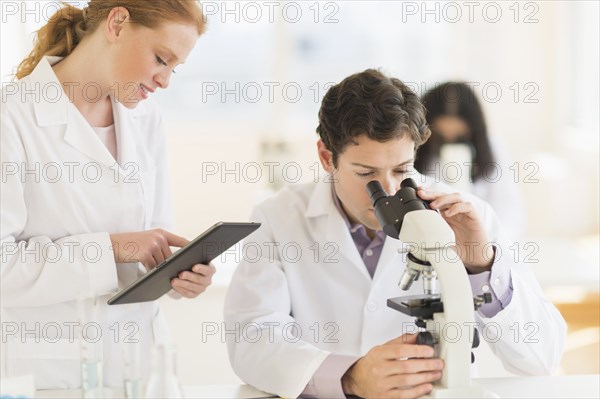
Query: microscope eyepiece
x=376, y=191
x=409, y=183
x=390, y=212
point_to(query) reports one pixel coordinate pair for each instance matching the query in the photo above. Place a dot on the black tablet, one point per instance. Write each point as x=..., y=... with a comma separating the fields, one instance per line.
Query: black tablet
x=203, y=249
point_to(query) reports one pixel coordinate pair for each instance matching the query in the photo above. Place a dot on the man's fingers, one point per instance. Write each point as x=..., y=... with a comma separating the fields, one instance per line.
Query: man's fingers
x=439, y=200
x=425, y=193
x=445, y=200
x=414, y=366
x=405, y=381
x=421, y=378
x=413, y=392
x=404, y=351
x=404, y=339
x=460, y=207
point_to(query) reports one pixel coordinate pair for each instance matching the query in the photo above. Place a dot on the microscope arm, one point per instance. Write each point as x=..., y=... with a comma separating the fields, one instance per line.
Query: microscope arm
x=430, y=239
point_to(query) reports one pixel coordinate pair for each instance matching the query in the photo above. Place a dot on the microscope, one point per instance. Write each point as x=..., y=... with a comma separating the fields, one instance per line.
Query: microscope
x=447, y=317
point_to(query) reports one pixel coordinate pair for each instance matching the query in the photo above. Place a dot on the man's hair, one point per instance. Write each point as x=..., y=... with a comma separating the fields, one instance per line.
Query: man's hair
x=372, y=104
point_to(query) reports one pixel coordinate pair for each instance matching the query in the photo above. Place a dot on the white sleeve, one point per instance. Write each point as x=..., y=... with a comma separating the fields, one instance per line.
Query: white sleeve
x=259, y=325
x=162, y=214
x=528, y=335
x=29, y=269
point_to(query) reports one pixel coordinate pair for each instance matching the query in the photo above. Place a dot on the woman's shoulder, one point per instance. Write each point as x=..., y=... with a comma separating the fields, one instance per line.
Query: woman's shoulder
x=18, y=98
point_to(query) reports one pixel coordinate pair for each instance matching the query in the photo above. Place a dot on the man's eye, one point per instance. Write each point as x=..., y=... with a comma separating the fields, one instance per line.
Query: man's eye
x=402, y=172
x=364, y=174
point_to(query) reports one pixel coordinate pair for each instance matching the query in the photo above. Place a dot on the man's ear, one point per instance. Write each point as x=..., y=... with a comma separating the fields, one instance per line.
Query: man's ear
x=115, y=22
x=325, y=157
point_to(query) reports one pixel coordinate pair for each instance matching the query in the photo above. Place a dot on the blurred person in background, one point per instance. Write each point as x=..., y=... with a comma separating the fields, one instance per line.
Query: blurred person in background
x=461, y=153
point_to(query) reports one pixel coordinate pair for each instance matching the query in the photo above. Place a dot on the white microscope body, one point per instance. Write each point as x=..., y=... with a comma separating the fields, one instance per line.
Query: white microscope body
x=448, y=317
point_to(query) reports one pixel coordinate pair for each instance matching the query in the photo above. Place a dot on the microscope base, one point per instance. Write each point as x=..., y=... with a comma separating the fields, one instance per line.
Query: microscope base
x=473, y=391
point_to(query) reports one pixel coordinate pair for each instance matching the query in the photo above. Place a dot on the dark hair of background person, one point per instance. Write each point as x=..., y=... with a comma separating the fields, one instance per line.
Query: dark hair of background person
x=372, y=104
x=458, y=100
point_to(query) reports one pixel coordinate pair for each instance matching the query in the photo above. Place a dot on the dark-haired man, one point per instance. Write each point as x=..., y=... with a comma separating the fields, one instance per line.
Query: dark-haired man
x=306, y=310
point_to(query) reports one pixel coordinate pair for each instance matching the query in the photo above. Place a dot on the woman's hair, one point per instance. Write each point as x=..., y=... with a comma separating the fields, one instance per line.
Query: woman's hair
x=69, y=25
x=458, y=100
x=372, y=104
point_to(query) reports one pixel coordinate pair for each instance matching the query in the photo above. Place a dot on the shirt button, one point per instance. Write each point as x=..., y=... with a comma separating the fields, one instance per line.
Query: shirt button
x=496, y=281
x=369, y=252
x=485, y=288
x=372, y=306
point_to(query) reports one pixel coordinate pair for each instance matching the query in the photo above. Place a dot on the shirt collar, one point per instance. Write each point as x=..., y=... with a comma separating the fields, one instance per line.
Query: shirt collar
x=353, y=227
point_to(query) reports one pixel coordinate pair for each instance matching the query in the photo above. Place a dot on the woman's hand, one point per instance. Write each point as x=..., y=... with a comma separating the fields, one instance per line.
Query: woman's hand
x=472, y=242
x=151, y=248
x=148, y=247
x=192, y=283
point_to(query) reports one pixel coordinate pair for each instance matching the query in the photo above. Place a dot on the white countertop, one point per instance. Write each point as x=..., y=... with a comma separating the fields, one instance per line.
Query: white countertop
x=572, y=386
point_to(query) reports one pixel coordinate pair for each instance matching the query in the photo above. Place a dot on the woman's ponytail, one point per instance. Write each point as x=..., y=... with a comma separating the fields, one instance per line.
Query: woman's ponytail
x=69, y=25
x=58, y=37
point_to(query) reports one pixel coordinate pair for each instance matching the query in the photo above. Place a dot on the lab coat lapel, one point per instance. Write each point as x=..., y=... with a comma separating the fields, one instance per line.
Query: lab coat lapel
x=78, y=132
x=392, y=256
x=80, y=135
x=330, y=227
x=125, y=125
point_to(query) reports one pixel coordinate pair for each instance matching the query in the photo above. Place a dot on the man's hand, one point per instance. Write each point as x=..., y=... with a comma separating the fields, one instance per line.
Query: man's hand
x=190, y=284
x=471, y=238
x=396, y=369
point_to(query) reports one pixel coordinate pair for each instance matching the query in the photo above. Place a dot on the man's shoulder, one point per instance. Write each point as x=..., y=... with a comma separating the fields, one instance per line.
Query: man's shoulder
x=290, y=200
x=296, y=193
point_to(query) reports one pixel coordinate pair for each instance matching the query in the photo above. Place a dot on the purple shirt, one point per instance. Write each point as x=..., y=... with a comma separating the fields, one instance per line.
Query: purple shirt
x=327, y=380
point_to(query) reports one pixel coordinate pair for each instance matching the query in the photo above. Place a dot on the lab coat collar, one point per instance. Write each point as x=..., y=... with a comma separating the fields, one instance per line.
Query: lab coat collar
x=331, y=228
x=78, y=131
x=50, y=109
x=321, y=202
x=322, y=207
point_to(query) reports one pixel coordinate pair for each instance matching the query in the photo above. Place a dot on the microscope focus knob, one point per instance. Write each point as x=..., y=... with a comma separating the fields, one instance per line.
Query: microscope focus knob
x=475, y=338
x=487, y=297
x=425, y=338
x=475, y=343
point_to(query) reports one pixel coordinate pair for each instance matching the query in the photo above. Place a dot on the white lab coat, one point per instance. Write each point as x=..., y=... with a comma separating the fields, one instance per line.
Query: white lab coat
x=338, y=307
x=61, y=196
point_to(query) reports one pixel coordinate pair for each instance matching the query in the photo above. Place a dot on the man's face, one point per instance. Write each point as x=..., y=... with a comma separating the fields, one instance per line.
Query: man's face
x=389, y=162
